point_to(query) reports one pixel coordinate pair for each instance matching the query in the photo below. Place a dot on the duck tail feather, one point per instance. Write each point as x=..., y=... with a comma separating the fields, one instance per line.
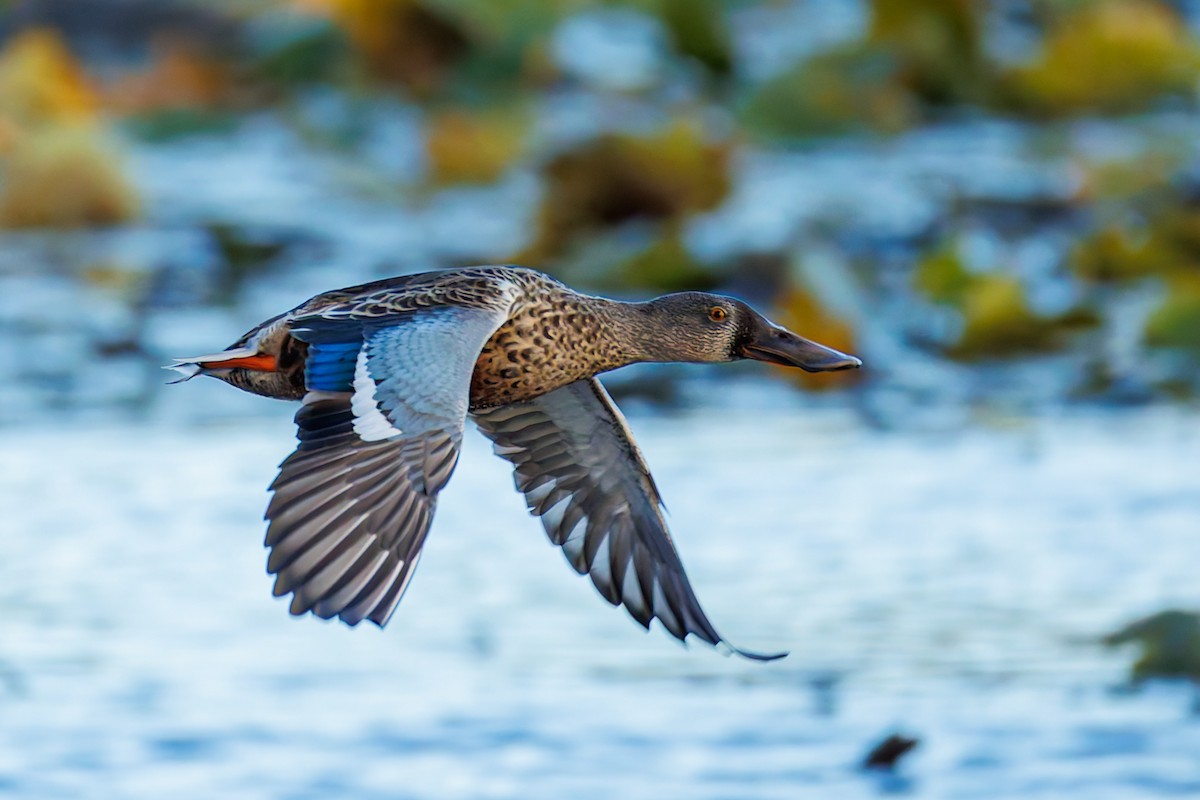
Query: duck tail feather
x=186, y=370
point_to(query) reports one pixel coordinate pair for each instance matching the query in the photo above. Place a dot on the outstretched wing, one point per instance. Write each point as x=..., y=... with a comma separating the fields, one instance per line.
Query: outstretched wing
x=379, y=435
x=582, y=474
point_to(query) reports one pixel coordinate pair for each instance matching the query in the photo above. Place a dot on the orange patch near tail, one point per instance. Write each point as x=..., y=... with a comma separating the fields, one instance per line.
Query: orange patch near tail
x=258, y=363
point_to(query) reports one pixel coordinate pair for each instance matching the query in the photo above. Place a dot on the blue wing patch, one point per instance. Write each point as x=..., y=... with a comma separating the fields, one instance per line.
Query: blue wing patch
x=330, y=366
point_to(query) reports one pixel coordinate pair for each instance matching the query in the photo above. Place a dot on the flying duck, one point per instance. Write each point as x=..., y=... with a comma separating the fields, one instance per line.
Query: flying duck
x=387, y=374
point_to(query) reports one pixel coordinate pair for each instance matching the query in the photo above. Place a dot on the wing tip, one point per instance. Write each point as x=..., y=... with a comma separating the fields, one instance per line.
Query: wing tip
x=750, y=655
x=298, y=607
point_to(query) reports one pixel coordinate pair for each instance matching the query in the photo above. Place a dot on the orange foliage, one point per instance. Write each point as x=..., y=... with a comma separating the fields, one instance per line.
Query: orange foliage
x=800, y=311
x=178, y=77
x=407, y=41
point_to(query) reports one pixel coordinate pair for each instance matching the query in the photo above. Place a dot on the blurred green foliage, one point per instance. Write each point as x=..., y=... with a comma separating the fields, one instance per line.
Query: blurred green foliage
x=1176, y=323
x=473, y=147
x=1107, y=56
x=698, y=31
x=489, y=82
x=615, y=178
x=937, y=46
x=844, y=91
x=942, y=276
x=664, y=265
x=997, y=320
x=1114, y=255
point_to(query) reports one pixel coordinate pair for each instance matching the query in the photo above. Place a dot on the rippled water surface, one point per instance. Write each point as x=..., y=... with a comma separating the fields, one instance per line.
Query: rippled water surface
x=950, y=585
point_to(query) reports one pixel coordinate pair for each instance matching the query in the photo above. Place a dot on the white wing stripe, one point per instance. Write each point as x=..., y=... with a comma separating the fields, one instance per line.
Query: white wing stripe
x=369, y=422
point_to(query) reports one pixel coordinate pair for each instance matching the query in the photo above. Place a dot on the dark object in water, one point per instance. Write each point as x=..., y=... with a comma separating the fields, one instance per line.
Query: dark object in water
x=1170, y=642
x=886, y=754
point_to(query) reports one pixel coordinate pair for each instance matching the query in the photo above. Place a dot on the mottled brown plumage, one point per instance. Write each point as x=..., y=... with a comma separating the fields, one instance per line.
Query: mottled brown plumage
x=552, y=337
x=387, y=373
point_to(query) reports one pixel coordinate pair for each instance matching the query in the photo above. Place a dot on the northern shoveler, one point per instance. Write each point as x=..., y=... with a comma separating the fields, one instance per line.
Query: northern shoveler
x=387, y=374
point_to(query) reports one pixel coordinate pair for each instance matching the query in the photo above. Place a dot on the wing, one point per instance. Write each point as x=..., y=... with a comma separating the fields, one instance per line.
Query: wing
x=379, y=435
x=582, y=474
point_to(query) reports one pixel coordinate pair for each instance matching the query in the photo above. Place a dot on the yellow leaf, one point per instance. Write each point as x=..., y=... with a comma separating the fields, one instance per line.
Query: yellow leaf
x=41, y=82
x=64, y=177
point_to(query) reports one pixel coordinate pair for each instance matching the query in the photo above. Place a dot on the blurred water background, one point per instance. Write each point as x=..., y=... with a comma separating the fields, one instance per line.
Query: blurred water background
x=995, y=204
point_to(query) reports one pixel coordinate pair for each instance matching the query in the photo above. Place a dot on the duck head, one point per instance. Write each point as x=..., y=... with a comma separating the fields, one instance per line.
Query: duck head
x=700, y=327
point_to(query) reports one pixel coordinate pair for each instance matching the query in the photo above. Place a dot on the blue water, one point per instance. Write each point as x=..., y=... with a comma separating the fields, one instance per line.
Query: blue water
x=949, y=585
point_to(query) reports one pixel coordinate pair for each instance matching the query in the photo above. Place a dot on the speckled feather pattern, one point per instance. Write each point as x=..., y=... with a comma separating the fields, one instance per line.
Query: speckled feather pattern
x=551, y=338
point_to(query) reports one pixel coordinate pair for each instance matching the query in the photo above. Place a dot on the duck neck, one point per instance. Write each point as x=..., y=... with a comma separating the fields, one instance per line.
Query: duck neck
x=621, y=334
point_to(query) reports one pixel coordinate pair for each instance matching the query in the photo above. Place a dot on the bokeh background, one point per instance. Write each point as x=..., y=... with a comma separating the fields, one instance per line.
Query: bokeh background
x=986, y=541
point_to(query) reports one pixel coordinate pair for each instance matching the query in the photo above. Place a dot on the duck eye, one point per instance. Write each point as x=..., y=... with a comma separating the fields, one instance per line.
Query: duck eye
x=717, y=314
